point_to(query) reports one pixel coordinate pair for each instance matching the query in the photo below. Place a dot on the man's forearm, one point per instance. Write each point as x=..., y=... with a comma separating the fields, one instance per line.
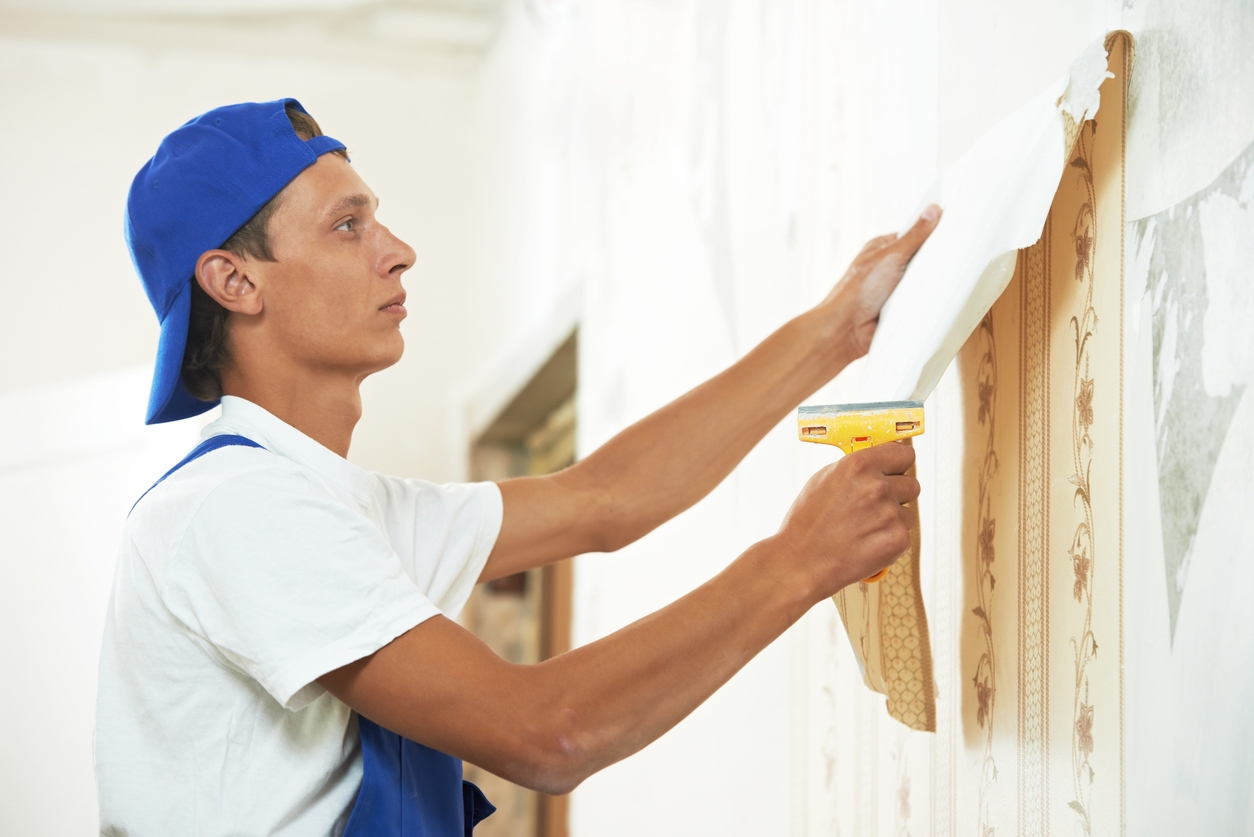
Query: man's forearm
x=614, y=696
x=669, y=460
x=551, y=725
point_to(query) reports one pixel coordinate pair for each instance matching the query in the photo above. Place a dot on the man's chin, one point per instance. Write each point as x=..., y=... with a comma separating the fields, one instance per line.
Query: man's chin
x=389, y=357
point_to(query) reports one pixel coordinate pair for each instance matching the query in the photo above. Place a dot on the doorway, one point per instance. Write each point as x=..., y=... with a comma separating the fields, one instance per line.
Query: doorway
x=526, y=617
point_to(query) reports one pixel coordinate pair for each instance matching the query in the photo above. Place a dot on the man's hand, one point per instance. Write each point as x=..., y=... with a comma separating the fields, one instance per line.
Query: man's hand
x=853, y=306
x=850, y=521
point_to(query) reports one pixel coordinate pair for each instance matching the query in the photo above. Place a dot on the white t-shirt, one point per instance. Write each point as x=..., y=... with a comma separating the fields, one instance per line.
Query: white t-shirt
x=241, y=579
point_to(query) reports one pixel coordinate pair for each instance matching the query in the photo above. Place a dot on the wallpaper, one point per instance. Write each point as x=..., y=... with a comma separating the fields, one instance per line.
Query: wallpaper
x=1026, y=552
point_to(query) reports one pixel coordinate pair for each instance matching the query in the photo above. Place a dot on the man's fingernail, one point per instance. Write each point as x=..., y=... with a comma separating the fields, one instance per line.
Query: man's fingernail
x=931, y=213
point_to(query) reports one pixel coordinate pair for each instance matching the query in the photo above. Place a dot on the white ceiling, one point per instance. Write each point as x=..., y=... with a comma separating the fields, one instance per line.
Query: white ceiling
x=214, y=8
x=387, y=31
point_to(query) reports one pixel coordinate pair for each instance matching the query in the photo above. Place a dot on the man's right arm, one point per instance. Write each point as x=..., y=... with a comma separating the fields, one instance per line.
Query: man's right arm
x=551, y=725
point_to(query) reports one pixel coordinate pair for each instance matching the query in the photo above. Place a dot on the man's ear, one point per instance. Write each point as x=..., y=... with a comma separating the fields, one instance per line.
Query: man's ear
x=227, y=278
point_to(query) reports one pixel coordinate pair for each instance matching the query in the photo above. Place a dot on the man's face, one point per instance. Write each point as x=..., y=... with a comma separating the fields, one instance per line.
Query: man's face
x=333, y=297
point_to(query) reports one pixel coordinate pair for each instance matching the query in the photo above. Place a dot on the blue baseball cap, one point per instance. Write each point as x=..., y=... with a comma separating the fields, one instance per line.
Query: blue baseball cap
x=207, y=179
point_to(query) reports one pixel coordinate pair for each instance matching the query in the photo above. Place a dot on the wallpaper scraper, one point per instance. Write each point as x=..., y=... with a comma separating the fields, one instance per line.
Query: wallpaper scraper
x=852, y=427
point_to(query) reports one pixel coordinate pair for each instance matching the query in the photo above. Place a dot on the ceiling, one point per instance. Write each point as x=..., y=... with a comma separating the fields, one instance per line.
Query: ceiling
x=382, y=31
x=215, y=8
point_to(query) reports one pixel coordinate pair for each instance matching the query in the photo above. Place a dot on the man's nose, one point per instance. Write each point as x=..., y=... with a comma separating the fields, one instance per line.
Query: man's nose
x=396, y=256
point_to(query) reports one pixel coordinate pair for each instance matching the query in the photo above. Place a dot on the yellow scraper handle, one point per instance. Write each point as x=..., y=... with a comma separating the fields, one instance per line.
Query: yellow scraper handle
x=852, y=427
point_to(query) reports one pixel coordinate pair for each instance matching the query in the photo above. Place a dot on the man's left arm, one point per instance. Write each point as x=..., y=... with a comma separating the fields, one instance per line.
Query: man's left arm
x=667, y=461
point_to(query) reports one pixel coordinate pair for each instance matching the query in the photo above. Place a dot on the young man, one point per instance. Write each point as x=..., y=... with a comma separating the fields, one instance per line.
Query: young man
x=280, y=655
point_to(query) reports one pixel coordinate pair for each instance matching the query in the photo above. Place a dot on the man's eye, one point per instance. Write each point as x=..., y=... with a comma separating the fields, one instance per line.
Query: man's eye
x=347, y=226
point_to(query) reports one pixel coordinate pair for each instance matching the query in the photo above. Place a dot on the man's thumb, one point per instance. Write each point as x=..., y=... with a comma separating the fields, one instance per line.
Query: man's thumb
x=914, y=237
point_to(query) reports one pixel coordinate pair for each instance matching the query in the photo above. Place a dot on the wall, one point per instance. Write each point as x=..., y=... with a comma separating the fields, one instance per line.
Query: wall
x=705, y=170
x=77, y=457
x=1188, y=290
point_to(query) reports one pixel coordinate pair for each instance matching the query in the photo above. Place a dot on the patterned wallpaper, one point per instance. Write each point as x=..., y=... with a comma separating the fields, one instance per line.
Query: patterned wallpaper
x=1026, y=551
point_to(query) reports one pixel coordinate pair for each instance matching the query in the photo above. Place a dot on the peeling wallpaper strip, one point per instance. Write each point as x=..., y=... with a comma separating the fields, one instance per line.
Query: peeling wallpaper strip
x=995, y=197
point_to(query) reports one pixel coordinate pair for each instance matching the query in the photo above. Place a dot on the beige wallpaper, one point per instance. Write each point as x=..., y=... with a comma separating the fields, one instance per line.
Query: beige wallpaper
x=1025, y=545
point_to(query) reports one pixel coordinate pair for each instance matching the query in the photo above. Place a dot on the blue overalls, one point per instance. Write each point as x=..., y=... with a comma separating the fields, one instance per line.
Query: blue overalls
x=407, y=789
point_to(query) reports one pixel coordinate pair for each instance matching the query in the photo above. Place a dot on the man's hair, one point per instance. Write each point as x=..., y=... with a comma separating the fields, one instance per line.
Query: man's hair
x=207, y=353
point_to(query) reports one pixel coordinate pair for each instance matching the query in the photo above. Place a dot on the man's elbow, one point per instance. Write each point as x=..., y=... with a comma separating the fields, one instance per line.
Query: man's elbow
x=559, y=776
x=559, y=757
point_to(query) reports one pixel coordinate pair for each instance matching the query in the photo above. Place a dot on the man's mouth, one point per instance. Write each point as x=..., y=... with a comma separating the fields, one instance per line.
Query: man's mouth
x=395, y=305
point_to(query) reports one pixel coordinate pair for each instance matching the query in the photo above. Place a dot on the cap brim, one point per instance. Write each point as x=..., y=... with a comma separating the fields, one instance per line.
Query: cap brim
x=169, y=400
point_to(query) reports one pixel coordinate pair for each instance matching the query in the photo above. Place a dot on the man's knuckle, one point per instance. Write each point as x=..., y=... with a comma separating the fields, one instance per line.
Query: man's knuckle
x=901, y=539
x=897, y=253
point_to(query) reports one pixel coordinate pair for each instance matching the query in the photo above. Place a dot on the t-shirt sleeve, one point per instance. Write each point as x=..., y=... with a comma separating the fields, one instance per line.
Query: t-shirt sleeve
x=442, y=533
x=287, y=583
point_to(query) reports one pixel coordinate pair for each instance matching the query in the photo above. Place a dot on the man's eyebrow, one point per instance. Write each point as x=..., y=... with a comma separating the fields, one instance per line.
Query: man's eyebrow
x=351, y=202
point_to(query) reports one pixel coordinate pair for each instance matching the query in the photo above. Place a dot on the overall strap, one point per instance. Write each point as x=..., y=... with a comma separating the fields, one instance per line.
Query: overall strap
x=210, y=444
x=411, y=790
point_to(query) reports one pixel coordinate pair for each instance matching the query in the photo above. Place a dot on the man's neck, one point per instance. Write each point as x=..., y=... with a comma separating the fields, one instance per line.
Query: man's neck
x=325, y=409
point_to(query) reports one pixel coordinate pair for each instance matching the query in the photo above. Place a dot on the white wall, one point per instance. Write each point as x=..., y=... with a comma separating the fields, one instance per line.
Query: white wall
x=1189, y=290
x=76, y=457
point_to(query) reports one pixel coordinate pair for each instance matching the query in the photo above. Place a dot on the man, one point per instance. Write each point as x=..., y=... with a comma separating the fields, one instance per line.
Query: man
x=280, y=655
